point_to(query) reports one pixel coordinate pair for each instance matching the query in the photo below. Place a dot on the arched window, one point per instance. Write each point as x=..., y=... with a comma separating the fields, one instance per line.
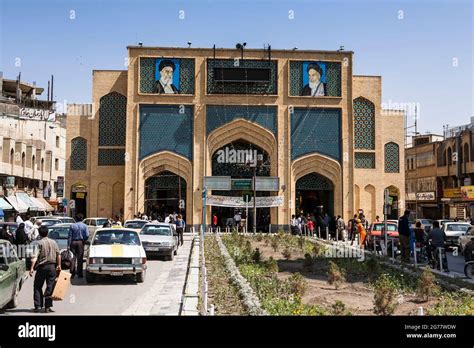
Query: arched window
x=466, y=153
x=449, y=157
x=78, y=157
x=23, y=159
x=112, y=119
x=12, y=157
x=364, y=124
x=392, y=158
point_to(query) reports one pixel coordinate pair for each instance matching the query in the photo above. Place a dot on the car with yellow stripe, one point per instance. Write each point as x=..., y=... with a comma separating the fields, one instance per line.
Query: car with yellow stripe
x=115, y=252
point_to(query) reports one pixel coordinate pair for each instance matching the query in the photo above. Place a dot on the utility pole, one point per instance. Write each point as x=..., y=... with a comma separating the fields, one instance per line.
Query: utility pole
x=254, y=199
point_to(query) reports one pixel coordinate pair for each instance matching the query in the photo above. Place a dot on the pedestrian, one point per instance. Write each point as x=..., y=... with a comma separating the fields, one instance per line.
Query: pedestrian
x=333, y=226
x=237, y=219
x=78, y=235
x=311, y=227
x=21, y=240
x=341, y=226
x=29, y=227
x=362, y=233
x=214, y=222
x=180, y=225
x=46, y=262
x=294, y=222
x=352, y=227
x=19, y=220
x=438, y=241
x=404, y=236
x=377, y=218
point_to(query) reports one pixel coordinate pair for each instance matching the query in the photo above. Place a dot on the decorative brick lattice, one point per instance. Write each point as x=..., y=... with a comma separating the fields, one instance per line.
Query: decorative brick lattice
x=214, y=87
x=219, y=115
x=316, y=130
x=314, y=181
x=365, y=160
x=112, y=119
x=111, y=157
x=364, y=124
x=333, y=78
x=392, y=158
x=166, y=127
x=78, y=154
x=148, y=81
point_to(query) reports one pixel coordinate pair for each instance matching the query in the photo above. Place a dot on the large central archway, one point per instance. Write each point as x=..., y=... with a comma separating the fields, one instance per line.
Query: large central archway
x=230, y=160
x=314, y=195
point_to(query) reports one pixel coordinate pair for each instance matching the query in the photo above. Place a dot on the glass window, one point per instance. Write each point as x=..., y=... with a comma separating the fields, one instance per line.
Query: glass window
x=101, y=222
x=116, y=237
x=156, y=231
x=58, y=233
x=135, y=224
x=457, y=227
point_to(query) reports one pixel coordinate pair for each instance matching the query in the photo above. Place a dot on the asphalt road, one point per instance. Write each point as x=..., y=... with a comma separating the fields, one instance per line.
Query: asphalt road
x=160, y=293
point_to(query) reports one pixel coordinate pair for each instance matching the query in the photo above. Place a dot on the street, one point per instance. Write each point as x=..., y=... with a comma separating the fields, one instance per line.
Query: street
x=160, y=294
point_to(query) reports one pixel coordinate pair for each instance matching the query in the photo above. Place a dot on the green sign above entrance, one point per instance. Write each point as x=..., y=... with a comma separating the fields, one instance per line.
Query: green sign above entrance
x=241, y=184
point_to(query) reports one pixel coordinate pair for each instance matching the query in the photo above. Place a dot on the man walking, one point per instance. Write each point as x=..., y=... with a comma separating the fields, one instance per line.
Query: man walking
x=340, y=227
x=404, y=236
x=180, y=225
x=47, y=262
x=78, y=235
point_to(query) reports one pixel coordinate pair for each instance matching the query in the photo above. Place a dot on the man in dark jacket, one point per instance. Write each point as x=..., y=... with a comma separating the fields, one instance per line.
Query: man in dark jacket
x=404, y=236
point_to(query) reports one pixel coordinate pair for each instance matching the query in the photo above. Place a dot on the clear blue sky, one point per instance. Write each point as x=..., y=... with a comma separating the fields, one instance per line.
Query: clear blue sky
x=414, y=55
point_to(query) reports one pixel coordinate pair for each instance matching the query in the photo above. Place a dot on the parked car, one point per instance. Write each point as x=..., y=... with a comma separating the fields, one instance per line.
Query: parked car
x=393, y=222
x=11, y=226
x=116, y=252
x=454, y=230
x=66, y=219
x=135, y=224
x=443, y=221
x=46, y=220
x=375, y=232
x=466, y=238
x=426, y=224
x=160, y=239
x=12, y=271
x=94, y=224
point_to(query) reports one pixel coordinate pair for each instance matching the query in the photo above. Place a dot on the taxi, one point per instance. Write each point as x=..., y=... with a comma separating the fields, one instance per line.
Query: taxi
x=116, y=252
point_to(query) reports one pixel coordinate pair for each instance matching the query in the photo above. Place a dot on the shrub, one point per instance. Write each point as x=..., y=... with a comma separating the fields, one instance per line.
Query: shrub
x=335, y=275
x=286, y=253
x=373, y=267
x=257, y=256
x=453, y=304
x=385, y=296
x=271, y=265
x=259, y=237
x=298, y=284
x=275, y=244
x=301, y=242
x=317, y=250
x=338, y=308
x=308, y=262
x=426, y=287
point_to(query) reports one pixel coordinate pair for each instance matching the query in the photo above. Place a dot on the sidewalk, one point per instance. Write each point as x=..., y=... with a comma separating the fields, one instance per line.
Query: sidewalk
x=165, y=295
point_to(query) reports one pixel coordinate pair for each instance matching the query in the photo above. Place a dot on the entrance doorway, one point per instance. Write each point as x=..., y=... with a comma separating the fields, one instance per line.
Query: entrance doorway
x=394, y=195
x=79, y=195
x=314, y=195
x=165, y=193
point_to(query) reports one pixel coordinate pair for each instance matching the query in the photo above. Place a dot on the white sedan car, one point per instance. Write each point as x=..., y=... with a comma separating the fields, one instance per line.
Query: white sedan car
x=160, y=239
x=116, y=252
x=454, y=230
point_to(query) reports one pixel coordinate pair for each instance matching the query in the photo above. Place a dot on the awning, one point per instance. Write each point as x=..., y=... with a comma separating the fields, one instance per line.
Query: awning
x=45, y=203
x=22, y=196
x=18, y=205
x=38, y=203
x=4, y=205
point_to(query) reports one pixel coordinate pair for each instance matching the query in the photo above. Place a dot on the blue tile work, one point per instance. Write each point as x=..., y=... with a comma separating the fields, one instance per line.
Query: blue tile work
x=148, y=81
x=316, y=130
x=365, y=160
x=166, y=127
x=214, y=87
x=364, y=124
x=112, y=119
x=78, y=158
x=111, y=157
x=313, y=181
x=219, y=115
x=392, y=158
x=333, y=76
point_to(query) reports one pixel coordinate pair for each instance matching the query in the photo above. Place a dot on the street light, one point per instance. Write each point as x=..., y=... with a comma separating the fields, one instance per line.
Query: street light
x=254, y=164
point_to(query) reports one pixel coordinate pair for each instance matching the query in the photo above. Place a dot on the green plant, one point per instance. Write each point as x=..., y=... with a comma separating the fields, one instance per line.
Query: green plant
x=317, y=250
x=286, y=253
x=257, y=256
x=335, y=275
x=453, y=304
x=275, y=244
x=338, y=308
x=271, y=265
x=385, y=295
x=259, y=237
x=373, y=267
x=298, y=284
x=426, y=286
x=301, y=242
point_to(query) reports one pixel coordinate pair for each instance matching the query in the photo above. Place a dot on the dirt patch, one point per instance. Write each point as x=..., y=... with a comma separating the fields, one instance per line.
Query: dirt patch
x=356, y=292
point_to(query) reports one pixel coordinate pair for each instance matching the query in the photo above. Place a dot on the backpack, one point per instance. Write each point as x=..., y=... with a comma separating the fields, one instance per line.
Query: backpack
x=67, y=258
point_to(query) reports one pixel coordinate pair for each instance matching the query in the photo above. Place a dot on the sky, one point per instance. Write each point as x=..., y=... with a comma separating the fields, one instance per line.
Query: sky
x=422, y=49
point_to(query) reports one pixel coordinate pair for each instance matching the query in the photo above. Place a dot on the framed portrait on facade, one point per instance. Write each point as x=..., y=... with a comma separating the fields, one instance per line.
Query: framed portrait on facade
x=314, y=79
x=167, y=76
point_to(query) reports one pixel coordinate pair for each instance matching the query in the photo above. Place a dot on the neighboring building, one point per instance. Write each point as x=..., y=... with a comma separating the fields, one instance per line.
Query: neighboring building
x=33, y=147
x=180, y=114
x=440, y=173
